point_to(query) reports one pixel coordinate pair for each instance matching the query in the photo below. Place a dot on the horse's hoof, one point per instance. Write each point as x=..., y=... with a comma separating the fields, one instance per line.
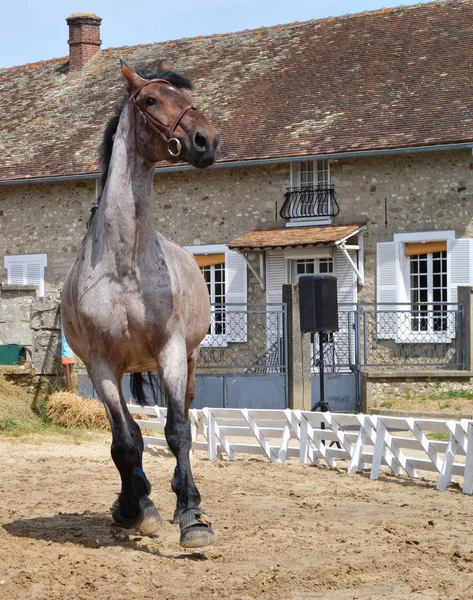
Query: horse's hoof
x=196, y=530
x=146, y=522
x=152, y=520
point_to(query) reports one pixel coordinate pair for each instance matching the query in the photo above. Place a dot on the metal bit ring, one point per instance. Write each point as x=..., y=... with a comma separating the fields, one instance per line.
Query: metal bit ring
x=178, y=147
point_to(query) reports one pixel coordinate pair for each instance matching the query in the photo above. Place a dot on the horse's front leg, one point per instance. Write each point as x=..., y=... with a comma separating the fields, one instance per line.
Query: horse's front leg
x=195, y=526
x=133, y=509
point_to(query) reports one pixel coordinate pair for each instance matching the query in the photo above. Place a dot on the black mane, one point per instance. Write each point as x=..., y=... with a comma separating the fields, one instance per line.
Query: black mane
x=107, y=141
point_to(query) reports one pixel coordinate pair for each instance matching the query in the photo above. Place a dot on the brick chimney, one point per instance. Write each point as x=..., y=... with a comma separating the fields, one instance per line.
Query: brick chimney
x=84, y=39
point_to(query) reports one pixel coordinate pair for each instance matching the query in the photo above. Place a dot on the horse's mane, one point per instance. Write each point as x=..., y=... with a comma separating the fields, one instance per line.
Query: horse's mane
x=111, y=128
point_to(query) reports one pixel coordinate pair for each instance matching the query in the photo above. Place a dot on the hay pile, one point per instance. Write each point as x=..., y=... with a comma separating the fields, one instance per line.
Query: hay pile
x=70, y=410
x=16, y=403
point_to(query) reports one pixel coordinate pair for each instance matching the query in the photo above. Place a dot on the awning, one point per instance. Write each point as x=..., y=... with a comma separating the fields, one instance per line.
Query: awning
x=293, y=237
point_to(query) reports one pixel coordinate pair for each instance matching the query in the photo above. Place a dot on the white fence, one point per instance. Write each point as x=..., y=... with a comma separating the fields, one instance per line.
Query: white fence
x=405, y=445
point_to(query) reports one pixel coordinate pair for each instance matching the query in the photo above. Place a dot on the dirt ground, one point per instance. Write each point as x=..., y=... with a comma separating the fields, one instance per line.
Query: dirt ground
x=283, y=532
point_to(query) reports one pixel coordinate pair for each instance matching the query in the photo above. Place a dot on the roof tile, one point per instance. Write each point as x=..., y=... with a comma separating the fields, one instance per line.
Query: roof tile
x=292, y=237
x=368, y=81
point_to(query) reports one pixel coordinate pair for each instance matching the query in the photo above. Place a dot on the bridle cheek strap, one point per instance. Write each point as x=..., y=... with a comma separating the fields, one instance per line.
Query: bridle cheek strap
x=167, y=135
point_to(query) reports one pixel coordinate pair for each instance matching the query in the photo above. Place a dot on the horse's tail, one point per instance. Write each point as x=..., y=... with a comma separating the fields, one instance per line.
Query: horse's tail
x=146, y=389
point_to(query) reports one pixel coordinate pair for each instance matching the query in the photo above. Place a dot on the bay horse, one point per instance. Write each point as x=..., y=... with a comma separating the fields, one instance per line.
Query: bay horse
x=134, y=302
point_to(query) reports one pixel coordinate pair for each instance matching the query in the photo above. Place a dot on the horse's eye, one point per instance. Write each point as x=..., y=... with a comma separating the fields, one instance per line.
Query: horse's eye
x=150, y=101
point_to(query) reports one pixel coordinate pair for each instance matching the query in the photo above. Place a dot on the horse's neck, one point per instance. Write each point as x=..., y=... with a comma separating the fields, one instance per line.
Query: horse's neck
x=125, y=213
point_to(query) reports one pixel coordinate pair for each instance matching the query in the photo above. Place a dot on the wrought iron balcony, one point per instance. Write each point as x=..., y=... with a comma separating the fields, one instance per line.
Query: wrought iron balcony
x=309, y=202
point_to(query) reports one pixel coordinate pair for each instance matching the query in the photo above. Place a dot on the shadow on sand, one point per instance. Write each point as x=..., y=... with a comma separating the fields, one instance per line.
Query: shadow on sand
x=90, y=530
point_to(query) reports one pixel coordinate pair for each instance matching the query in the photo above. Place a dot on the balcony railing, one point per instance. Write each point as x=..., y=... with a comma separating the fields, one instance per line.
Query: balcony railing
x=309, y=202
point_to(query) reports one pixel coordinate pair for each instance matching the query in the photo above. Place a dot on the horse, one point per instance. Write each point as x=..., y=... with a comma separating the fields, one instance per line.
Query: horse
x=135, y=302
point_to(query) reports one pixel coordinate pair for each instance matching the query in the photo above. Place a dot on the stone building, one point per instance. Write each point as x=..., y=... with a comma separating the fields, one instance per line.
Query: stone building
x=346, y=149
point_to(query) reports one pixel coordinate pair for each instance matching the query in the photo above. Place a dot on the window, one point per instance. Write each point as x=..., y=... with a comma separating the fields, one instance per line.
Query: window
x=306, y=266
x=26, y=269
x=214, y=276
x=225, y=274
x=311, y=173
x=418, y=275
x=310, y=199
x=428, y=283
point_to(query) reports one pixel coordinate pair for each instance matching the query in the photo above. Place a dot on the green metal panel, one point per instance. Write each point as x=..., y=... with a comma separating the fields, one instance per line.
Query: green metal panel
x=10, y=354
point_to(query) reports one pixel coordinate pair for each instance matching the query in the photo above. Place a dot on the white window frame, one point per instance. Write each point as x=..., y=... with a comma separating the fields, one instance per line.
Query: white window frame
x=294, y=276
x=210, y=340
x=236, y=294
x=404, y=289
x=295, y=181
x=25, y=260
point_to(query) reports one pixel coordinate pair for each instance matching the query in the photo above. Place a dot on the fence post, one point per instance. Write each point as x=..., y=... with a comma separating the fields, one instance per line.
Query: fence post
x=465, y=296
x=298, y=354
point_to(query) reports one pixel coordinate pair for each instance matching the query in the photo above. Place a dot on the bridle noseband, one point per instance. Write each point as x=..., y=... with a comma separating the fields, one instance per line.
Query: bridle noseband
x=166, y=135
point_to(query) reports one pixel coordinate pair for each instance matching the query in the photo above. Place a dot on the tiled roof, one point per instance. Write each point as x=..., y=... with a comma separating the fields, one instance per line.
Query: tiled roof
x=386, y=79
x=292, y=237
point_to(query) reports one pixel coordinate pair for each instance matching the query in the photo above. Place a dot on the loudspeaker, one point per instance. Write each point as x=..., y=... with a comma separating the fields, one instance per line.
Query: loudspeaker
x=318, y=303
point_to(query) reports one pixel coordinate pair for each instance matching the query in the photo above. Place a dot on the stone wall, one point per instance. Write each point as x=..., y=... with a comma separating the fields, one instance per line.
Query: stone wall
x=383, y=387
x=423, y=191
x=33, y=323
x=46, y=327
x=15, y=311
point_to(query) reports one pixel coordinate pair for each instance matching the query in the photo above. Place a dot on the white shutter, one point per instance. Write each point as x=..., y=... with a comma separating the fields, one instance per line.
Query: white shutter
x=26, y=269
x=387, y=280
x=236, y=291
x=460, y=265
x=343, y=346
x=276, y=276
x=16, y=274
x=346, y=277
x=296, y=174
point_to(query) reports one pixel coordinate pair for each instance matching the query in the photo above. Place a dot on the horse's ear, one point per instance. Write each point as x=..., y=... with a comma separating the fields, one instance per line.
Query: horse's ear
x=131, y=76
x=163, y=66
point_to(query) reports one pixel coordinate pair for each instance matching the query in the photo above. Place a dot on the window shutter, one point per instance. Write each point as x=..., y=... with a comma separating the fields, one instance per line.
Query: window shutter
x=347, y=293
x=236, y=321
x=296, y=174
x=387, y=277
x=276, y=277
x=346, y=277
x=33, y=274
x=460, y=265
x=16, y=274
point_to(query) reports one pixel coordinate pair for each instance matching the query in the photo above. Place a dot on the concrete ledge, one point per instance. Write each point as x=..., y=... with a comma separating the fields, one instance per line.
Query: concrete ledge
x=389, y=412
x=18, y=288
x=417, y=374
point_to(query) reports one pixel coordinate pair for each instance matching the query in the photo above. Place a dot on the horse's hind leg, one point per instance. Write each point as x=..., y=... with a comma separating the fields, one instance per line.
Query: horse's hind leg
x=194, y=523
x=133, y=509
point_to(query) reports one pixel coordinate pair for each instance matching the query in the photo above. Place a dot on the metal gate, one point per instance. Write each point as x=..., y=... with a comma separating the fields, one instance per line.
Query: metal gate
x=391, y=337
x=242, y=360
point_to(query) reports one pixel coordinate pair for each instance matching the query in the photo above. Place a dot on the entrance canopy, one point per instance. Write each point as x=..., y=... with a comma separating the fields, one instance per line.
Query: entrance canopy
x=293, y=237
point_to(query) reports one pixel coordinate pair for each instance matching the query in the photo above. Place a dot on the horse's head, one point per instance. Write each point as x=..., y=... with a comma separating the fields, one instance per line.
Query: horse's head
x=167, y=125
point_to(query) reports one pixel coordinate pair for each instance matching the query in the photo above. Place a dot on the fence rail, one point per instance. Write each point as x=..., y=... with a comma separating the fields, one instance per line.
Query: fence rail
x=404, y=445
x=395, y=336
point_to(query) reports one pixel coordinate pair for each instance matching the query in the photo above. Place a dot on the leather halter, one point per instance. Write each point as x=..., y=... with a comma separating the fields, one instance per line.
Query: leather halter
x=165, y=134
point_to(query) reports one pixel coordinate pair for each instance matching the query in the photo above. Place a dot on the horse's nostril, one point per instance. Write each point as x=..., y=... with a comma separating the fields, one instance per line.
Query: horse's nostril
x=201, y=141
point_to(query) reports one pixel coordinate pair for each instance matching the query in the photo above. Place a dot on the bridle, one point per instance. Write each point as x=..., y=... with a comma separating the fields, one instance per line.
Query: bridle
x=165, y=134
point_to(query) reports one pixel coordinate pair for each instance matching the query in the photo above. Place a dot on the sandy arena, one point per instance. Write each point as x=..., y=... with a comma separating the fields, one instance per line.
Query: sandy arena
x=283, y=532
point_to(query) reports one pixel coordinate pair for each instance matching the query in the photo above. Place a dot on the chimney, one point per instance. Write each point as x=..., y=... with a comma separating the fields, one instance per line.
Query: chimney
x=84, y=39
